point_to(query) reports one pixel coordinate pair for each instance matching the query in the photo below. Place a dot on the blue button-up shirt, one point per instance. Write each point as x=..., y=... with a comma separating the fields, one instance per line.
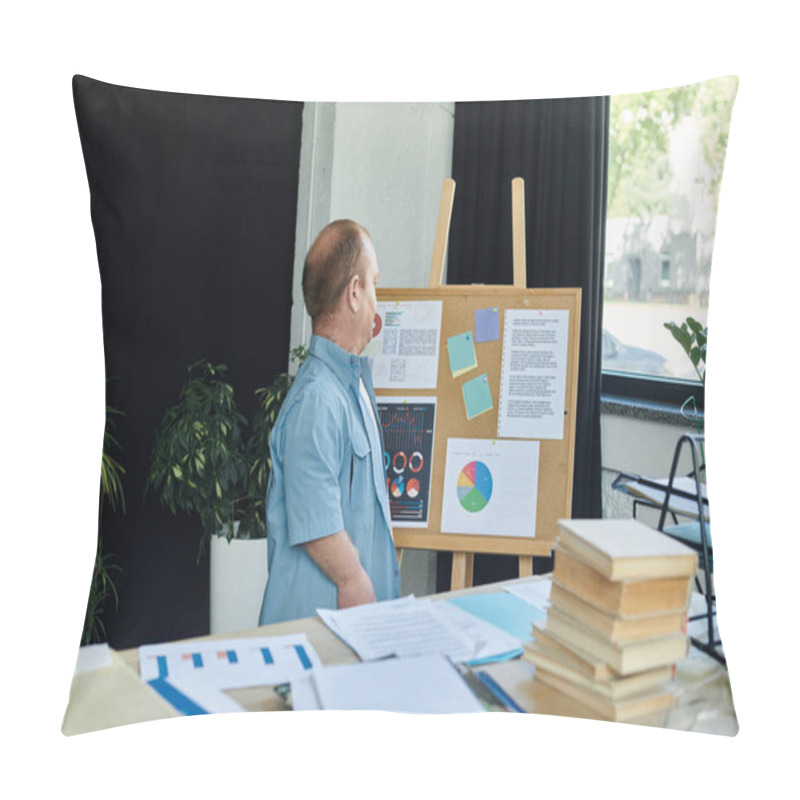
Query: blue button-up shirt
x=327, y=476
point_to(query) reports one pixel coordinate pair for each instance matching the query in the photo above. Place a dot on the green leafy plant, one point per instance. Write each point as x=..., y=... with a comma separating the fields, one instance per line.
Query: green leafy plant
x=692, y=337
x=270, y=400
x=111, y=491
x=198, y=463
x=202, y=464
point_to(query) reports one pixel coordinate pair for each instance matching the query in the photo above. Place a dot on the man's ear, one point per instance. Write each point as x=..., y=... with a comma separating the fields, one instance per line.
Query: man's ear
x=353, y=293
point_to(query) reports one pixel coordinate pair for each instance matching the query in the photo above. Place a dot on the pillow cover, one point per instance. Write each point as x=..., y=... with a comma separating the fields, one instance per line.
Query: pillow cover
x=199, y=206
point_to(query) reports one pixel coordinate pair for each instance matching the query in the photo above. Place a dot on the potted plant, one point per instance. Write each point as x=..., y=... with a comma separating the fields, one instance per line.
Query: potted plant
x=202, y=464
x=692, y=337
x=198, y=463
x=102, y=587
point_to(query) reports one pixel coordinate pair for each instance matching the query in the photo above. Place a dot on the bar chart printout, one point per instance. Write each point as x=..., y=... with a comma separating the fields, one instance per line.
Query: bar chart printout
x=408, y=426
x=230, y=663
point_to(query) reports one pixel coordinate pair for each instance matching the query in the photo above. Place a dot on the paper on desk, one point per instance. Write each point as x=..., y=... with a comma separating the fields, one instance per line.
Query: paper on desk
x=230, y=663
x=507, y=612
x=403, y=627
x=304, y=695
x=493, y=643
x=427, y=684
x=192, y=695
x=536, y=592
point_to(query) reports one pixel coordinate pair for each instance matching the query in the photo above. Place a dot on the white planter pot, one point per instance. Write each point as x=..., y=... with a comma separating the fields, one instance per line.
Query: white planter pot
x=238, y=578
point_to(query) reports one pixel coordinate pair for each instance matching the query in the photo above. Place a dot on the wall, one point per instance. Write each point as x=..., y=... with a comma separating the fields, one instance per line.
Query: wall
x=381, y=164
x=641, y=444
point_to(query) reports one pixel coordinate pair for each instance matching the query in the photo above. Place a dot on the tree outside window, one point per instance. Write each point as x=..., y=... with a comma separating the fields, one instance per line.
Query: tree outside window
x=666, y=157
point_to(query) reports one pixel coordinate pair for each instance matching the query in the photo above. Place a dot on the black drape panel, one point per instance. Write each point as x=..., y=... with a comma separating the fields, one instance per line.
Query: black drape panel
x=560, y=148
x=193, y=203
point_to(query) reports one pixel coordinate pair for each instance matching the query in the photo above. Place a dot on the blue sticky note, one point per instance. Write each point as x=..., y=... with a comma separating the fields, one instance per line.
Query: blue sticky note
x=503, y=609
x=461, y=350
x=477, y=396
x=487, y=324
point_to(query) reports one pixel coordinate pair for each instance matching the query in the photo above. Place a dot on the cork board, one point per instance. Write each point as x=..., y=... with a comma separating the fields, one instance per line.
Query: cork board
x=555, y=472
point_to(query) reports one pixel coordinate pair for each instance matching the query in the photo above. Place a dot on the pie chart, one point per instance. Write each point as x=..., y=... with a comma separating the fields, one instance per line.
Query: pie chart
x=474, y=486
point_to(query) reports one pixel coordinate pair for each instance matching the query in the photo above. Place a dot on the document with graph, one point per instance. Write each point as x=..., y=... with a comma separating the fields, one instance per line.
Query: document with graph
x=408, y=426
x=490, y=487
x=230, y=663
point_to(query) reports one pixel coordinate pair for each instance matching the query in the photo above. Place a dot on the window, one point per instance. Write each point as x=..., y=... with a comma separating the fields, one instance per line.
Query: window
x=666, y=153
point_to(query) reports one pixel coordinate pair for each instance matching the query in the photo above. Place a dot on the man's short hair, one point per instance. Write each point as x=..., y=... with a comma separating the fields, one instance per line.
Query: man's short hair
x=329, y=265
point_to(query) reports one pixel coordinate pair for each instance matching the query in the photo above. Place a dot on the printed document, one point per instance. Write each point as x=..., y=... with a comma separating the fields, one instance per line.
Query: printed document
x=533, y=374
x=426, y=684
x=404, y=351
x=230, y=663
x=403, y=627
x=490, y=487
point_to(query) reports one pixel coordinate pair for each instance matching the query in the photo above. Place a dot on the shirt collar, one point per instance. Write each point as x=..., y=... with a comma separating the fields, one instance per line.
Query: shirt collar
x=346, y=366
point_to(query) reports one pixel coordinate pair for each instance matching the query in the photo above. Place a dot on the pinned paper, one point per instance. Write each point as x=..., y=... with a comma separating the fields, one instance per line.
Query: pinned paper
x=477, y=396
x=487, y=324
x=461, y=349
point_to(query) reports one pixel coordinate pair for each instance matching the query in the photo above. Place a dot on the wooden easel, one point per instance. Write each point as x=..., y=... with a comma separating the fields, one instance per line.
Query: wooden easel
x=559, y=455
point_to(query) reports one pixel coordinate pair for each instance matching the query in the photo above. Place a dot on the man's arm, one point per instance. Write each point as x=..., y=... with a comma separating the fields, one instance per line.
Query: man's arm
x=338, y=558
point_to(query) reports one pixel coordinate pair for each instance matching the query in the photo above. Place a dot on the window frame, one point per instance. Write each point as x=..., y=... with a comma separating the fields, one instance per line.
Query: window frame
x=651, y=390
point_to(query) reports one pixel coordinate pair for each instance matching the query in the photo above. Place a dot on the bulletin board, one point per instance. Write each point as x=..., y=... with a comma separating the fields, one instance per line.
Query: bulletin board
x=556, y=455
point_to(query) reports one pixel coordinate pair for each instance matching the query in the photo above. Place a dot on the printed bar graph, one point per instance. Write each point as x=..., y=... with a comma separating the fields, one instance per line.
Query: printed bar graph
x=176, y=698
x=303, y=656
x=229, y=663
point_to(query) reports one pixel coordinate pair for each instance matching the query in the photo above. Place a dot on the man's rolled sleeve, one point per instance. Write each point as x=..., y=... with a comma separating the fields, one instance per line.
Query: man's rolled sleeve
x=312, y=463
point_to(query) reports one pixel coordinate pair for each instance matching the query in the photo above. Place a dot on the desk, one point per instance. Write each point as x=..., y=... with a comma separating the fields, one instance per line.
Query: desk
x=704, y=701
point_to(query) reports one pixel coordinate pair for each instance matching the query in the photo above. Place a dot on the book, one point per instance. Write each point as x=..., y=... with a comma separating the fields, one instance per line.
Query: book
x=614, y=687
x=626, y=549
x=629, y=598
x=623, y=657
x=586, y=665
x=658, y=699
x=615, y=627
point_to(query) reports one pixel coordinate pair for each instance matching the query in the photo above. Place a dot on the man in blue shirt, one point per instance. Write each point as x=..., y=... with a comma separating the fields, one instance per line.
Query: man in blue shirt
x=329, y=530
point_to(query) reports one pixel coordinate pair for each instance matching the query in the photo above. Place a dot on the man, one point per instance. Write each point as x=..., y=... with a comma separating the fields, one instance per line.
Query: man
x=330, y=542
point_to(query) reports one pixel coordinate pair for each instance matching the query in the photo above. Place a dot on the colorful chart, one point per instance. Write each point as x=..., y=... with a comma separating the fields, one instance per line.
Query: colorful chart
x=397, y=486
x=416, y=462
x=474, y=486
x=413, y=488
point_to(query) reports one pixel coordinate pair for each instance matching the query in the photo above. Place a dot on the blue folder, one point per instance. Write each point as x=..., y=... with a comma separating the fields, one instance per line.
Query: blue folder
x=503, y=609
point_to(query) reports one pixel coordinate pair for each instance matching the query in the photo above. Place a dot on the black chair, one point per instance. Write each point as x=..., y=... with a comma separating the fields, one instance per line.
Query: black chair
x=695, y=534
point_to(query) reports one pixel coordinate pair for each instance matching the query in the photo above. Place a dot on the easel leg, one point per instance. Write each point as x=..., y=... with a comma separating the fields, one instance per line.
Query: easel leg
x=525, y=566
x=461, y=575
x=399, y=556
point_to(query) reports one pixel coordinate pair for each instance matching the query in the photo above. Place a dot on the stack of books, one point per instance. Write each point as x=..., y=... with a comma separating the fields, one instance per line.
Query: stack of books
x=617, y=619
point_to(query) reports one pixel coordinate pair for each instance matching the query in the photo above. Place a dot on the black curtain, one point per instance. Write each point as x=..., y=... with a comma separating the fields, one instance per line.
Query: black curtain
x=193, y=203
x=560, y=148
